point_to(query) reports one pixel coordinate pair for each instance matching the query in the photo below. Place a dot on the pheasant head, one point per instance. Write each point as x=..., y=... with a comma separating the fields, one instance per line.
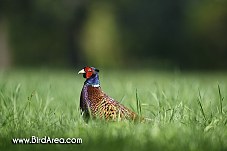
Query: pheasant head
x=91, y=75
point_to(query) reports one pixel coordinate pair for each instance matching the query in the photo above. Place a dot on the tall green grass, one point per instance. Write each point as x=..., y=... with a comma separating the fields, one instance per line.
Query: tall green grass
x=187, y=111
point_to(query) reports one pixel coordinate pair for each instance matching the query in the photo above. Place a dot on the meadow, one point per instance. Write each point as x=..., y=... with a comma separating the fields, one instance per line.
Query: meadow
x=187, y=111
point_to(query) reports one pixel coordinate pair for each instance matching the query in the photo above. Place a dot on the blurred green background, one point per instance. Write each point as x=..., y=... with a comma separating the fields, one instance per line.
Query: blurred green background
x=189, y=34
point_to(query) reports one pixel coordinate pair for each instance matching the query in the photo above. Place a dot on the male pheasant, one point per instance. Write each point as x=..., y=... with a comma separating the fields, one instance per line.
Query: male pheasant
x=94, y=102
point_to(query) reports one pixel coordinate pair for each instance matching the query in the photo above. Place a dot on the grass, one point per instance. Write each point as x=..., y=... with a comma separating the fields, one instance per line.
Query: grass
x=188, y=111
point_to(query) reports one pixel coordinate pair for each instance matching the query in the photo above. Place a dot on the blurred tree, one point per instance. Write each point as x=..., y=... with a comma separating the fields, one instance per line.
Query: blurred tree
x=100, y=40
x=152, y=29
x=206, y=29
x=42, y=31
x=5, y=55
x=189, y=34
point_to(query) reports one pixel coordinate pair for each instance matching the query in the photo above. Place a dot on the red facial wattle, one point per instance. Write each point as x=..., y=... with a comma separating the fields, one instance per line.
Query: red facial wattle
x=88, y=72
x=88, y=75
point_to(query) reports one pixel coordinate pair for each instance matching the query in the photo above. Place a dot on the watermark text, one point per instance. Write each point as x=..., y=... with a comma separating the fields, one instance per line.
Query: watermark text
x=46, y=140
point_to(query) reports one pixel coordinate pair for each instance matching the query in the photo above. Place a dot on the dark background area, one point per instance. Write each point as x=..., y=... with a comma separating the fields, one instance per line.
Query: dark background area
x=189, y=34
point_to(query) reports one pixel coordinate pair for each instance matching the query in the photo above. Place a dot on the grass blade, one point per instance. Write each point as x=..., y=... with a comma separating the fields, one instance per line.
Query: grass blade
x=201, y=107
x=138, y=104
x=220, y=99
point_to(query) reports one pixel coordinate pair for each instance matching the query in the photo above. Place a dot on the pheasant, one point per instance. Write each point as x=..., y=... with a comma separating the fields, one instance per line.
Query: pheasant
x=95, y=103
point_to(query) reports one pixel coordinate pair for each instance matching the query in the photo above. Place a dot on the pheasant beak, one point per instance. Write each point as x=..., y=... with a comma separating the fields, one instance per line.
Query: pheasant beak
x=81, y=71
